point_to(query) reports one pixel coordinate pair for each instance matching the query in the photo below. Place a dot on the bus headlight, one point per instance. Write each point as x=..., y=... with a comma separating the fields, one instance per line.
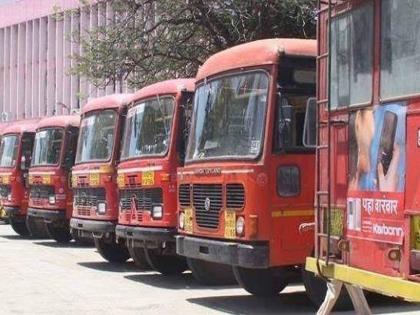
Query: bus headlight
x=181, y=223
x=157, y=212
x=9, y=197
x=51, y=199
x=240, y=225
x=101, y=207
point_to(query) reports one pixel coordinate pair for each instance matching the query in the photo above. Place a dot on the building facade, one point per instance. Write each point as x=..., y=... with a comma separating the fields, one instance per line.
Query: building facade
x=35, y=56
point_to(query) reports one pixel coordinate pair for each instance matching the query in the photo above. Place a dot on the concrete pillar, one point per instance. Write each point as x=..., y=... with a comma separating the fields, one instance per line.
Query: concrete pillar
x=101, y=23
x=35, y=68
x=13, y=72
x=51, y=66
x=59, y=64
x=28, y=69
x=67, y=62
x=75, y=50
x=84, y=27
x=110, y=16
x=43, y=73
x=2, y=39
x=21, y=54
x=93, y=25
x=6, y=75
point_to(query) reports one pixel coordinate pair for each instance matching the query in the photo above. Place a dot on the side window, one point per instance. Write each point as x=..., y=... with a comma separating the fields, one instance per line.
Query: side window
x=27, y=146
x=288, y=181
x=184, y=124
x=296, y=84
x=71, y=146
x=400, y=48
x=352, y=57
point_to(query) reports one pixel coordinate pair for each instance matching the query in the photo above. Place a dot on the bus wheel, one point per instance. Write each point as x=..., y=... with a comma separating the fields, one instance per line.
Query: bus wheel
x=165, y=264
x=210, y=273
x=19, y=226
x=139, y=257
x=37, y=227
x=316, y=289
x=261, y=282
x=111, y=251
x=59, y=232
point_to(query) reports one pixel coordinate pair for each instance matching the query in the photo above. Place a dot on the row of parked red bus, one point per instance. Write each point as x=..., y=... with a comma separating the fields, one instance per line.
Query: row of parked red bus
x=218, y=174
x=220, y=187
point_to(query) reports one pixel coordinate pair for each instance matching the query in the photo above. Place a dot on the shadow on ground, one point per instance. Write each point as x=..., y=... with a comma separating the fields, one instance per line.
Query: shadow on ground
x=16, y=237
x=111, y=267
x=54, y=244
x=172, y=282
x=285, y=303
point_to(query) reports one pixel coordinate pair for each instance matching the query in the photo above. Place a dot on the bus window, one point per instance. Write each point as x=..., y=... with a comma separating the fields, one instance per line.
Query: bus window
x=352, y=57
x=400, y=44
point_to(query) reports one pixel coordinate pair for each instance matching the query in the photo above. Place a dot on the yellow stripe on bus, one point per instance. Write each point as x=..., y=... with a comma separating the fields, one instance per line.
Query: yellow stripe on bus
x=292, y=213
x=371, y=281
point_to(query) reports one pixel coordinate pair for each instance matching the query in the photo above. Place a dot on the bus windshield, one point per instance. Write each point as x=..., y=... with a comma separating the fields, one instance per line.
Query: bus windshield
x=47, y=147
x=228, y=118
x=148, y=128
x=96, y=139
x=9, y=150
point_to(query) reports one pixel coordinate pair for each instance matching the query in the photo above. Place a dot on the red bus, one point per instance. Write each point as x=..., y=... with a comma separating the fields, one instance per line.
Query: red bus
x=368, y=213
x=94, y=175
x=248, y=181
x=51, y=197
x=15, y=158
x=153, y=147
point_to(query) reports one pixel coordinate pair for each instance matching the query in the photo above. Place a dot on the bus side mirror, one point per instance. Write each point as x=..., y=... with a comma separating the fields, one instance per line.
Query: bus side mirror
x=309, y=127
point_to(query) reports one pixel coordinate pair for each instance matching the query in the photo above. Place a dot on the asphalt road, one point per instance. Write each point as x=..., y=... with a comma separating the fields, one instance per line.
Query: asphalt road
x=42, y=277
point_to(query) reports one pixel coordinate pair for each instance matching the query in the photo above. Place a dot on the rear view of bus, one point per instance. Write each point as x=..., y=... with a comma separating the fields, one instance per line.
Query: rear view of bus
x=94, y=175
x=368, y=148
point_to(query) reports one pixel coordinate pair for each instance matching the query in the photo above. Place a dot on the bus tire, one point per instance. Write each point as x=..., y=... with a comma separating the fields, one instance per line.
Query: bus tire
x=210, y=273
x=19, y=227
x=60, y=233
x=261, y=282
x=165, y=264
x=139, y=257
x=112, y=251
x=316, y=289
x=37, y=227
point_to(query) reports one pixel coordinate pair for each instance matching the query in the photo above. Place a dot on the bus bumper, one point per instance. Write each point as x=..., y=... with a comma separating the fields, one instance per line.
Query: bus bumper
x=48, y=215
x=145, y=234
x=11, y=211
x=97, y=228
x=224, y=252
x=367, y=280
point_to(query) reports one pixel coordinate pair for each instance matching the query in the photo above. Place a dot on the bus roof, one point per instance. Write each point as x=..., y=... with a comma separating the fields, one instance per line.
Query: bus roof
x=21, y=126
x=114, y=101
x=60, y=121
x=3, y=126
x=257, y=53
x=165, y=87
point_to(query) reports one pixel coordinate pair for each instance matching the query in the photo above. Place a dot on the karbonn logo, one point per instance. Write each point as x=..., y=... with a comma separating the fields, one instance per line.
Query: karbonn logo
x=387, y=230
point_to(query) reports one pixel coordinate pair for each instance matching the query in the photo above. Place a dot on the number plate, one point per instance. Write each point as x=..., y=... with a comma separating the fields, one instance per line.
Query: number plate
x=148, y=178
x=46, y=179
x=2, y=213
x=94, y=179
x=230, y=224
x=188, y=220
x=120, y=180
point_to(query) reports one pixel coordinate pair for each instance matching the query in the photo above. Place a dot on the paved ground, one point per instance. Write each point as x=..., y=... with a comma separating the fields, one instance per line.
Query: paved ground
x=41, y=277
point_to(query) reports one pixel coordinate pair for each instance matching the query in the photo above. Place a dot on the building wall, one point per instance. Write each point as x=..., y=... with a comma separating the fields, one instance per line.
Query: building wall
x=35, y=57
